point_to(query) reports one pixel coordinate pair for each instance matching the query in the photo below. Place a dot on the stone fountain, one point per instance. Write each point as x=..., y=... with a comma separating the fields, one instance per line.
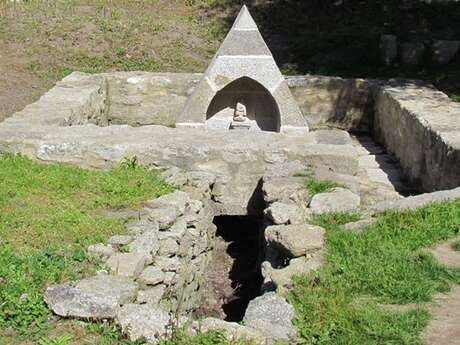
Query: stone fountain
x=243, y=88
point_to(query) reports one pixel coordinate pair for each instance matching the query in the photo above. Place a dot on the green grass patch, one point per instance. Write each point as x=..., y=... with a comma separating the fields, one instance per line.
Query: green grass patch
x=384, y=264
x=49, y=214
x=315, y=186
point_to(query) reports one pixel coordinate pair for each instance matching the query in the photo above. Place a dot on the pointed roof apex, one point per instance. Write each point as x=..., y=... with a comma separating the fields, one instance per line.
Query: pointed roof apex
x=244, y=21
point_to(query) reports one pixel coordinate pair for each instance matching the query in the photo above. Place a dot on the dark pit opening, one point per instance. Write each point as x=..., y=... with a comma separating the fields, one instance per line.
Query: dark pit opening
x=233, y=277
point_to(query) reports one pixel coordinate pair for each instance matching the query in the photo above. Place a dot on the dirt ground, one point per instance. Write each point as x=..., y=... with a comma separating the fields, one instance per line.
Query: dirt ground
x=233, y=278
x=43, y=41
x=19, y=86
x=444, y=327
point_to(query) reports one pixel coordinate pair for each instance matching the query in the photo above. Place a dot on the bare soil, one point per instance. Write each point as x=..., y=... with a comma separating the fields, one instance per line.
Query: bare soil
x=444, y=327
x=233, y=278
x=43, y=41
x=19, y=86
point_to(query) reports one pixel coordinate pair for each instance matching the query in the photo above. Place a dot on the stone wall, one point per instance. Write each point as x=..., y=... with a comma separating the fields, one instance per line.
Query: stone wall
x=331, y=101
x=140, y=98
x=421, y=126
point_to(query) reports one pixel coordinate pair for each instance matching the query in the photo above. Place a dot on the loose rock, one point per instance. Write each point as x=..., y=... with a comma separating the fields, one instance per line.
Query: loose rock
x=296, y=240
x=339, y=200
x=143, y=321
x=95, y=298
x=271, y=315
x=281, y=213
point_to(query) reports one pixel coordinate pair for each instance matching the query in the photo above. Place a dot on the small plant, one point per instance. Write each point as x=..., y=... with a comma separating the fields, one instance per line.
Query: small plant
x=315, y=186
x=79, y=254
x=130, y=163
x=60, y=340
x=456, y=246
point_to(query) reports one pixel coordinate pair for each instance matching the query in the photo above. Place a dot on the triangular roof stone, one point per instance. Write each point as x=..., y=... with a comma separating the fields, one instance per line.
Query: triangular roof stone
x=243, y=53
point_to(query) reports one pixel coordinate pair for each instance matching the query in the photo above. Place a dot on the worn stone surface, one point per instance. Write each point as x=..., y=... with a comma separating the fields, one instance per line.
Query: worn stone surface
x=151, y=295
x=281, y=213
x=332, y=101
x=332, y=137
x=164, y=216
x=296, y=240
x=139, y=98
x=120, y=240
x=104, y=250
x=285, y=189
x=177, y=199
x=145, y=244
x=271, y=315
x=96, y=298
x=151, y=275
x=144, y=321
x=127, y=264
x=338, y=200
x=233, y=331
x=282, y=278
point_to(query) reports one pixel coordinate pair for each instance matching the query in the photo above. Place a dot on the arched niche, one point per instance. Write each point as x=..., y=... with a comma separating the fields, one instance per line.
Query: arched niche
x=260, y=105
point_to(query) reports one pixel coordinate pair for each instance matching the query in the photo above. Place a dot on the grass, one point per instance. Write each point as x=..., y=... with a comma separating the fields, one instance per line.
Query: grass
x=315, y=186
x=384, y=264
x=49, y=214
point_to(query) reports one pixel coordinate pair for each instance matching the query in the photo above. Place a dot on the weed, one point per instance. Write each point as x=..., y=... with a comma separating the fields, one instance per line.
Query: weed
x=60, y=340
x=315, y=186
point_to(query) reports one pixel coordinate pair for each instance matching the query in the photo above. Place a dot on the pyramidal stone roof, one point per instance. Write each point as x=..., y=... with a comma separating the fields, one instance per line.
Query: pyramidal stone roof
x=243, y=53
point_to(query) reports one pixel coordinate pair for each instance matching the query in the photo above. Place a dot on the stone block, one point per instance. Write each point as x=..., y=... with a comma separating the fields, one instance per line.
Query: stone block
x=127, y=264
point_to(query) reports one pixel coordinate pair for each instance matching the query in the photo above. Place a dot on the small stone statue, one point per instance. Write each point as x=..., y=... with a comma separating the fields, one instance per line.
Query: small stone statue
x=240, y=113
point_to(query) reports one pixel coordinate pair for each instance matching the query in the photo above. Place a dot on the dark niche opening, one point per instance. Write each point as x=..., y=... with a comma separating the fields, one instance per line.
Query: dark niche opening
x=233, y=277
x=260, y=104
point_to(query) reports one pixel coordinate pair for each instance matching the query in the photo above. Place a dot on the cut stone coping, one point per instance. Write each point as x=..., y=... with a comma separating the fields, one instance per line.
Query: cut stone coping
x=421, y=126
x=414, y=202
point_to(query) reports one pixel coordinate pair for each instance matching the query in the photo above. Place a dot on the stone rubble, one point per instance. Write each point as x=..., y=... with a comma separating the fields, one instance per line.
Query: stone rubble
x=296, y=240
x=158, y=277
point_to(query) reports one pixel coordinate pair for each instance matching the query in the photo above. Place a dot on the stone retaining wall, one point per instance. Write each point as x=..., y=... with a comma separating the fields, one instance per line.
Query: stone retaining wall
x=421, y=126
x=141, y=98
